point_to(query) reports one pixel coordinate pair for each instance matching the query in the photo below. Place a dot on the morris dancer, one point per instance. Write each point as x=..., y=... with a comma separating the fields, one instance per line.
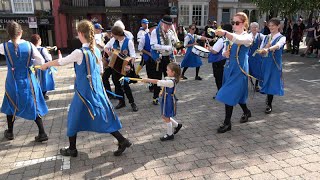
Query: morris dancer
x=168, y=100
x=190, y=59
x=90, y=109
x=161, y=41
x=234, y=89
x=145, y=48
x=254, y=57
x=23, y=96
x=125, y=45
x=271, y=50
x=45, y=77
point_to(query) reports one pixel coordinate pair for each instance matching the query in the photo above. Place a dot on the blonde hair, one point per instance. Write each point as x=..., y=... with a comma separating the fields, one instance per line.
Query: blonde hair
x=87, y=29
x=176, y=69
x=244, y=18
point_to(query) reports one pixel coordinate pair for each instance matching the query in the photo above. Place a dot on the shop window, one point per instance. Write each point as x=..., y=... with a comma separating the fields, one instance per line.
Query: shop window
x=22, y=6
x=226, y=15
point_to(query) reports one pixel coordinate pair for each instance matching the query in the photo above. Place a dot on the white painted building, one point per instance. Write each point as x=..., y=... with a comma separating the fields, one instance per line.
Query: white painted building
x=193, y=11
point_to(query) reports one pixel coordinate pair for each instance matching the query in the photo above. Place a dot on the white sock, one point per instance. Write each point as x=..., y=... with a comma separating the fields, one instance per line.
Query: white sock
x=174, y=123
x=169, y=128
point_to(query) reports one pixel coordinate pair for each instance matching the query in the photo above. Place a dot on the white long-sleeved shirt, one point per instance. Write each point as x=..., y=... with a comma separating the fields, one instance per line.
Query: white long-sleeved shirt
x=77, y=56
x=159, y=47
x=218, y=45
x=38, y=59
x=142, y=42
x=132, y=52
x=167, y=82
x=187, y=38
x=46, y=54
x=280, y=43
x=242, y=39
x=141, y=34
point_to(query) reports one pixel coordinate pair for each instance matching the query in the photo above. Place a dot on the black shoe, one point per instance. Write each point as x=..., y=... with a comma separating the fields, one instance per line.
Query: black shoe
x=155, y=102
x=268, y=109
x=41, y=137
x=257, y=89
x=46, y=97
x=177, y=129
x=122, y=147
x=224, y=128
x=198, y=78
x=121, y=105
x=8, y=135
x=213, y=97
x=183, y=77
x=134, y=107
x=167, y=137
x=302, y=55
x=151, y=87
x=245, y=117
x=68, y=152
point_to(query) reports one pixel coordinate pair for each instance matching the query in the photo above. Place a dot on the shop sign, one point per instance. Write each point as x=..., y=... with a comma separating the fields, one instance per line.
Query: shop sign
x=32, y=22
x=115, y=11
x=173, y=10
x=20, y=20
x=44, y=21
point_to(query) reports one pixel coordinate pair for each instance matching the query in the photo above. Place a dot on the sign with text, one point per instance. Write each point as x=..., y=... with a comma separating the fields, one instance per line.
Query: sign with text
x=32, y=22
x=20, y=20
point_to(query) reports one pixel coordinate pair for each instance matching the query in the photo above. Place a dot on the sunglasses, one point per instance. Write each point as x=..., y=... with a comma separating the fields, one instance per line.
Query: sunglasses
x=236, y=23
x=193, y=29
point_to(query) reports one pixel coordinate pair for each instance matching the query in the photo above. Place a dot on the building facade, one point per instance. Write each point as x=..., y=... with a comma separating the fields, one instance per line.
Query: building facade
x=70, y=12
x=35, y=16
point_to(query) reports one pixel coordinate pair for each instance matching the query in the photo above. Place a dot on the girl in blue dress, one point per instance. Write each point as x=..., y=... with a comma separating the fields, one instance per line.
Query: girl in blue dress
x=45, y=77
x=234, y=89
x=23, y=96
x=190, y=59
x=271, y=51
x=254, y=57
x=168, y=101
x=90, y=109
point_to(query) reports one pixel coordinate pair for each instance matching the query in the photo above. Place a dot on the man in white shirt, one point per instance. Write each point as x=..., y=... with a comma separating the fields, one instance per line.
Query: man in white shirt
x=141, y=33
x=99, y=36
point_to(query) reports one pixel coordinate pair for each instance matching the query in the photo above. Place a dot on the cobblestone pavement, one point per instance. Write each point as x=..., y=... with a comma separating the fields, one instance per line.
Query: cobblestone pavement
x=282, y=145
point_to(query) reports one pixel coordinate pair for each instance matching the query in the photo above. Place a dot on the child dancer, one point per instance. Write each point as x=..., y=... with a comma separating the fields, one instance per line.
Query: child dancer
x=271, y=50
x=45, y=77
x=168, y=101
x=23, y=97
x=90, y=108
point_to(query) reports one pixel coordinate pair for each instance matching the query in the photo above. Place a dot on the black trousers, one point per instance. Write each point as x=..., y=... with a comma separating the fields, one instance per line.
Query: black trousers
x=218, y=68
x=152, y=73
x=119, y=89
x=296, y=44
x=165, y=60
x=105, y=78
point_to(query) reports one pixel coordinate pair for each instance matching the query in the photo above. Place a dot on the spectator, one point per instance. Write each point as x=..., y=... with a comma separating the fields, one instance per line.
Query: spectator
x=310, y=37
x=288, y=32
x=265, y=30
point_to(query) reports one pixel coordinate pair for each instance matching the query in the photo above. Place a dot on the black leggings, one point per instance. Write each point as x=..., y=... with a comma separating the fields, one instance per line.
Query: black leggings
x=38, y=120
x=229, y=110
x=185, y=69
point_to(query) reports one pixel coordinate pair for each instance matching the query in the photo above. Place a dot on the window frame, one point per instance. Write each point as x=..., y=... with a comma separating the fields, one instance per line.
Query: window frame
x=204, y=12
x=25, y=12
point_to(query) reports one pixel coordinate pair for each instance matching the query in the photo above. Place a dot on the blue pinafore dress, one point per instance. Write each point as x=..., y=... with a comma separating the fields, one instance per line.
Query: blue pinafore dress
x=90, y=109
x=23, y=96
x=190, y=59
x=168, y=101
x=272, y=71
x=45, y=77
x=255, y=58
x=234, y=88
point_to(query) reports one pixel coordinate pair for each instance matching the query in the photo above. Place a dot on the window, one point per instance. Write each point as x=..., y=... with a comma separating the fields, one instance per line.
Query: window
x=22, y=6
x=226, y=15
x=184, y=15
x=193, y=13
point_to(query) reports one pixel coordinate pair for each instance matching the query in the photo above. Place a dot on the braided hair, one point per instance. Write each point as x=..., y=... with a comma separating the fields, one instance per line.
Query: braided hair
x=14, y=30
x=87, y=29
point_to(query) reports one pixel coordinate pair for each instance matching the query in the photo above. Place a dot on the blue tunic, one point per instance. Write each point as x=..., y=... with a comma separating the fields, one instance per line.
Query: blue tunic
x=90, y=109
x=45, y=77
x=216, y=57
x=146, y=47
x=190, y=59
x=23, y=96
x=255, y=61
x=234, y=88
x=272, y=71
x=168, y=101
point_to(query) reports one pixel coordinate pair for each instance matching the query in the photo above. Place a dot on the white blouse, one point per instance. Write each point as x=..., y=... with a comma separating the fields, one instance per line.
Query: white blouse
x=167, y=82
x=187, y=38
x=77, y=56
x=38, y=59
x=280, y=43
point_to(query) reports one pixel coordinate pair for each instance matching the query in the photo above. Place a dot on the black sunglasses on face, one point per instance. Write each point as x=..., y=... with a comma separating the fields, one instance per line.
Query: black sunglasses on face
x=193, y=29
x=236, y=22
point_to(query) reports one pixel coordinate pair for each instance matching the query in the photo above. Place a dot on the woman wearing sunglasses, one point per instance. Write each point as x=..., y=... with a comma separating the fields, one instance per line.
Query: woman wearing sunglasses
x=271, y=50
x=191, y=59
x=234, y=89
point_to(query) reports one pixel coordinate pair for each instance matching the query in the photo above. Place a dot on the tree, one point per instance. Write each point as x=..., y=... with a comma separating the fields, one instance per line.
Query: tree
x=286, y=7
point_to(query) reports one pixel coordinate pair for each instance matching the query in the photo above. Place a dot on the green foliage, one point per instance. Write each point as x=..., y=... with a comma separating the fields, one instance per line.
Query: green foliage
x=286, y=7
